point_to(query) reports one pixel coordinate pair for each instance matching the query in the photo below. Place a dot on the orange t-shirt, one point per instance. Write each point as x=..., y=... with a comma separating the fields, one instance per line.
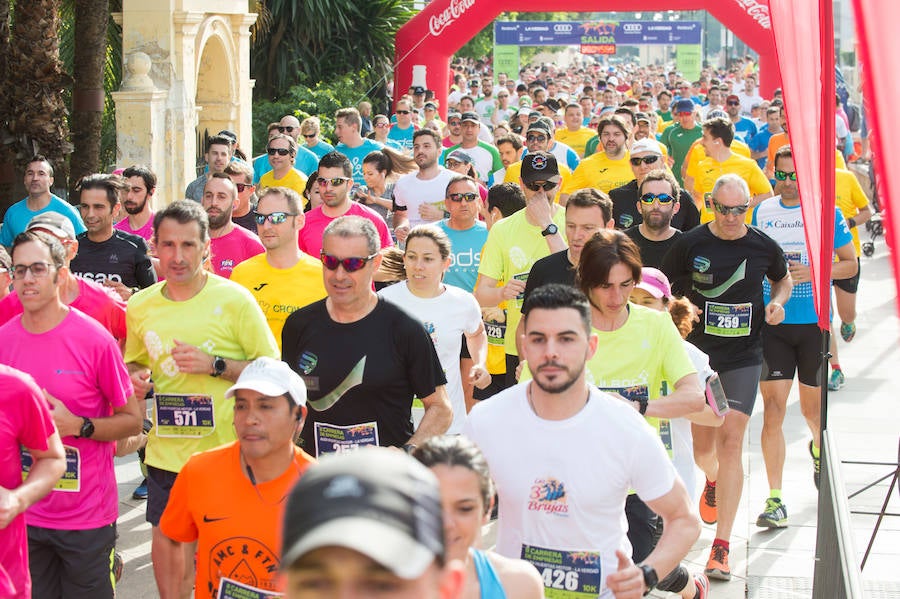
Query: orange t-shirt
x=237, y=527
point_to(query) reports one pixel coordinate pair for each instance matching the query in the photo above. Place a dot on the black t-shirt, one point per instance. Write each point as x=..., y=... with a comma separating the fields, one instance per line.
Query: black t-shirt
x=626, y=213
x=121, y=258
x=360, y=373
x=554, y=268
x=652, y=252
x=248, y=221
x=724, y=278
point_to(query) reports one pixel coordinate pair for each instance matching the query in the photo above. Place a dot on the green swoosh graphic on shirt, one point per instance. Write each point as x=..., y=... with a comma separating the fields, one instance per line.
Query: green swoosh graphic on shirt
x=351, y=380
x=737, y=277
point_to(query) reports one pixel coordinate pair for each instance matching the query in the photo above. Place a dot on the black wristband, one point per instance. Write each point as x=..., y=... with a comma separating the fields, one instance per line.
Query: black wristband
x=851, y=223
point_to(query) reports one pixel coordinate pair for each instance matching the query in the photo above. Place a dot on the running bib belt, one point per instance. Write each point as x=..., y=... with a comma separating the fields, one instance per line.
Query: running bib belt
x=496, y=332
x=70, y=482
x=184, y=415
x=331, y=438
x=232, y=589
x=566, y=574
x=522, y=276
x=728, y=320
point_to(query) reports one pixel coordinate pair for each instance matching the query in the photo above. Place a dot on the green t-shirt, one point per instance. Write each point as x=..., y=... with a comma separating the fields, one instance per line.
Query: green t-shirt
x=223, y=319
x=678, y=141
x=512, y=247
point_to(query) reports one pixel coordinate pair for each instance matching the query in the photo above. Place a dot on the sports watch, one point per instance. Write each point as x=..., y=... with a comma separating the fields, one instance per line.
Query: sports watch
x=218, y=366
x=551, y=229
x=87, y=428
x=650, y=578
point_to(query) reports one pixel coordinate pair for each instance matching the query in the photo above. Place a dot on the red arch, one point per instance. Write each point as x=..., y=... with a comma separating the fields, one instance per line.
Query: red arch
x=435, y=34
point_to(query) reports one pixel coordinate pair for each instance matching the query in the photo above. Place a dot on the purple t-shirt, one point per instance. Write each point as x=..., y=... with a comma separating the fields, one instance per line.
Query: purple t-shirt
x=79, y=363
x=146, y=231
x=27, y=422
x=311, y=234
x=231, y=249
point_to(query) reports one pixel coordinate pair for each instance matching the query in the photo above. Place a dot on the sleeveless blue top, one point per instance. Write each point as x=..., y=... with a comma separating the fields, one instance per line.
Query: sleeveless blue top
x=487, y=576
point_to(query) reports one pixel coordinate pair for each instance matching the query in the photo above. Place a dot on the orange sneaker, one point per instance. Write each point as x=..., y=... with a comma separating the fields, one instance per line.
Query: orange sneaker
x=709, y=513
x=717, y=566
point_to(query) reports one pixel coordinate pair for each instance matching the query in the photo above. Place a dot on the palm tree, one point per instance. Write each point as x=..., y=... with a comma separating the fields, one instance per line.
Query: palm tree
x=308, y=42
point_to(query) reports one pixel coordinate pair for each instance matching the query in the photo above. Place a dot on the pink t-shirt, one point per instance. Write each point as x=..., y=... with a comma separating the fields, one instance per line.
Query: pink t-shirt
x=100, y=303
x=26, y=421
x=231, y=249
x=146, y=231
x=79, y=363
x=316, y=221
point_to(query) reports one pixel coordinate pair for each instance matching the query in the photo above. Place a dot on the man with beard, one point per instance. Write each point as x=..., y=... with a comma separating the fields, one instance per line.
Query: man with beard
x=334, y=180
x=419, y=197
x=218, y=155
x=109, y=257
x=658, y=203
x=537, y=483
x=140, y=186
x=229, y=244
x=646, y=156
x=610, y=168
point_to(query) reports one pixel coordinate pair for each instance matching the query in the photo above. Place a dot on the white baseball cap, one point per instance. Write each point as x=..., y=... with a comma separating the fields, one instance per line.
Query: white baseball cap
x=270, y=377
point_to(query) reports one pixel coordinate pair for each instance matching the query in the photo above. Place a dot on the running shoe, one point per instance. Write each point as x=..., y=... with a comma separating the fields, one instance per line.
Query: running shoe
x=709, y=513
x=817, y=464
x=140, y=492
x=848, y=331
x=774, y=516
x=836, y=380
x=717, y=566
x=702, y=584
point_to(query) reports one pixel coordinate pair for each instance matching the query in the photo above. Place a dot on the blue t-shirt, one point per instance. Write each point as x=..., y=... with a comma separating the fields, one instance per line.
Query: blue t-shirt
x=305, y=161
x=745, y=130
x=403, y=137
x=18, y=216
x=784, y=224
x=357, y=155
x=465, y=254
x=760, y=142
x=320, y=149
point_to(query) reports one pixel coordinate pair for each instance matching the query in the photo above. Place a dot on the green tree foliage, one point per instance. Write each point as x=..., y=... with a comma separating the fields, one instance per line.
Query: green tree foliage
x=313, y=41
x=322, y=100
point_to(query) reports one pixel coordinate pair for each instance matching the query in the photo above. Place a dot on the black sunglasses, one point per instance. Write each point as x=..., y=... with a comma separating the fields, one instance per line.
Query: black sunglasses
x=279, y=151
x=538, y=185
x=782, y=175
x=637, y=160
x=402, y=112
x=287, y=129
x=726, y=210
x=662, y=198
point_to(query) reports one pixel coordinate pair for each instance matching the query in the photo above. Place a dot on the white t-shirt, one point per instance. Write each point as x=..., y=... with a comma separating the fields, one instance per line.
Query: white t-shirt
x=562, y=483
x=446, y=318
x=485, y=109
x=682, y=438
x=412, y=192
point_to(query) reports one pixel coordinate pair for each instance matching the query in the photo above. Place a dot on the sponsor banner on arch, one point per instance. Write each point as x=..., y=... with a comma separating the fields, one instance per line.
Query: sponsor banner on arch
x=572, y=33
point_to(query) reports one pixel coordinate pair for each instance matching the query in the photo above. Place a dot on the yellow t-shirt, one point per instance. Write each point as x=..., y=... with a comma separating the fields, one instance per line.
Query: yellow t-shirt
x=600, y=172
x=850, y=198
x=514, y=172
x=294, y=179
x=223, y=320
x=697, y=154
x=709, y=170
x=512, y=247
x=575, y=139
x=280, y=291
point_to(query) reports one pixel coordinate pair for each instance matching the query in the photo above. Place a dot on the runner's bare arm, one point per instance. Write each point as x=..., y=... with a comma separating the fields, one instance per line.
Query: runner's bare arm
x=125, y=421
x=437, y=418
x=686, y=398
x=47, y=466
x=192, y=359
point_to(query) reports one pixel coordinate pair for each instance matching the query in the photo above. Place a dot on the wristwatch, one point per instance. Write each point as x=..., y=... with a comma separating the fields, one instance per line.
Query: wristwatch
x=409, y=448
x=650, y=578
x=551, y=229
x=218, y=366
x=87, y=428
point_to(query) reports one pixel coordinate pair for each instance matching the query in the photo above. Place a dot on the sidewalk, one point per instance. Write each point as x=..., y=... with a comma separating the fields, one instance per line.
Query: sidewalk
x=864, y=416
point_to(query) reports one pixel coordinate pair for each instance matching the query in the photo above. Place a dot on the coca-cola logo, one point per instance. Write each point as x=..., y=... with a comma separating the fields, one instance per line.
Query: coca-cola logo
x=440, y=21
x=756, y=11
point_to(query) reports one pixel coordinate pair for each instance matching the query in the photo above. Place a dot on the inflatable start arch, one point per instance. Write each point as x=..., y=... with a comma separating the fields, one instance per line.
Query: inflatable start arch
x=432, y=37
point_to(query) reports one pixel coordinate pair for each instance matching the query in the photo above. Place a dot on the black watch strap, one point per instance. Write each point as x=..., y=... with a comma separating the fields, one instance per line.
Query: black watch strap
x=650, y=577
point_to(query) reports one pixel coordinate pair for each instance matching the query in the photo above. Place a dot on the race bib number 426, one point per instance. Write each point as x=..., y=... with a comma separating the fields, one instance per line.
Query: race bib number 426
x=566, y=574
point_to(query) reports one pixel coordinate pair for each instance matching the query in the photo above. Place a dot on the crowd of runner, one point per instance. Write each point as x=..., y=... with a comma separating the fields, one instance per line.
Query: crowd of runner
x=561, y=299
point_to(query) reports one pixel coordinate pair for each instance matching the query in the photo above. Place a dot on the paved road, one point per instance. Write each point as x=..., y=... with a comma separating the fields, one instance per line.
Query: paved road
x=864, y=416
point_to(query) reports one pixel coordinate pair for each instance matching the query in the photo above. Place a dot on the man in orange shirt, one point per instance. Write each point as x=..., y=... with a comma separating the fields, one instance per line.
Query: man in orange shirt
x=230, y=500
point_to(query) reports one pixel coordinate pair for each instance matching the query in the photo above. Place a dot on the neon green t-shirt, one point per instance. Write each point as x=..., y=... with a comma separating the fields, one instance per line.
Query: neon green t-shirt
x=512, y=247
x=190, y=411
x=280, y=291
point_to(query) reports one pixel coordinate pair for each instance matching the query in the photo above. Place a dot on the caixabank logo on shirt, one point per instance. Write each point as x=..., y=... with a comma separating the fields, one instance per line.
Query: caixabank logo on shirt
x=548, y=495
